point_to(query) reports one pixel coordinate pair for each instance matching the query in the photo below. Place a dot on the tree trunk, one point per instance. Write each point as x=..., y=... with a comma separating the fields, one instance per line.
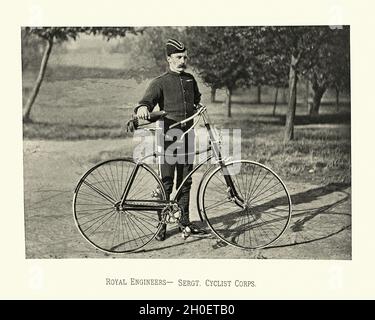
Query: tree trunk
x=337, y=98
x=318, y=91
x=39, y=80
x=228, y=101
x=307, y=94
x=213, y=94
x=291, y=111
x=23, y=46
x=284, y=100
x=275, y=102
x=259, y=94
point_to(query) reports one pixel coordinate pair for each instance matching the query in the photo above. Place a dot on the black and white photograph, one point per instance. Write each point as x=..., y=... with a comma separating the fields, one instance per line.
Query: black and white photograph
x=187, y=142
x=187, y=151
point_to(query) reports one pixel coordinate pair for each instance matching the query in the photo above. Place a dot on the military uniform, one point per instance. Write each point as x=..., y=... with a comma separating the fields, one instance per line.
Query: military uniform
x=176, y=93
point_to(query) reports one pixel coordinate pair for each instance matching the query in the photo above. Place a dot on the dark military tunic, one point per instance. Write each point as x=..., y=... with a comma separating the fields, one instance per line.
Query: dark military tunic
x=175, y=93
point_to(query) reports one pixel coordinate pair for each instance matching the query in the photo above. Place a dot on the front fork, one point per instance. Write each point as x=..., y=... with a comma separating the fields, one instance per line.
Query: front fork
x=233, y=195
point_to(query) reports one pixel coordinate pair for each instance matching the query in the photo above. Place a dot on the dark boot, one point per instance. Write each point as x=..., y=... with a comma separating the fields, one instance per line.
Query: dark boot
x=192, y=228
x=160, y=236
x=186, y=226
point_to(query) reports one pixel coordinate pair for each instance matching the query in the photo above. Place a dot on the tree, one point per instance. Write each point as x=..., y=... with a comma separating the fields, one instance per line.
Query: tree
x=32, y=48
x=275, y=69
x=258, y=75
x=51, y=35
x=300, y=45
x=147, y=50
x=223, y=57
x=330, y=67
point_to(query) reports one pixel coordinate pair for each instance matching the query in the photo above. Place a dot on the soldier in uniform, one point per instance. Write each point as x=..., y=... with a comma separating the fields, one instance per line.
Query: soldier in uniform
x=177, y=93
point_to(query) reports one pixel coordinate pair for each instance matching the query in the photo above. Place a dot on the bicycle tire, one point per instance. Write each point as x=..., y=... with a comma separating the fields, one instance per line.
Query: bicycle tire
x=261, y=219
x=101, y=222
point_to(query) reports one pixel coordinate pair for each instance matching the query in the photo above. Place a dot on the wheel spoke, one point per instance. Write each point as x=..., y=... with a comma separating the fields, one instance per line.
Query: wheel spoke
x=142, y=217
x=256, y=186
x=238, y=186
x=89, y=212
x=102, y=223
x=277, y=184
x=104, y=195
x=265, y=213
x=140, y=236
x=102, y=181
x=97, y=208
x=95, y=220
x=92, y=197
x=142, y=222
x=251, y=183
x=137, y=183
x=217, y=204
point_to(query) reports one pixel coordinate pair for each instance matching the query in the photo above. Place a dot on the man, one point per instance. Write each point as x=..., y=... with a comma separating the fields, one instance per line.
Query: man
x=176, y=92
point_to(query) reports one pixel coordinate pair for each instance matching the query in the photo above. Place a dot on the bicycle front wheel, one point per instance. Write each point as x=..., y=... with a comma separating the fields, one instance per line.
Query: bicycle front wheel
x=261, y=215
x=97, y=211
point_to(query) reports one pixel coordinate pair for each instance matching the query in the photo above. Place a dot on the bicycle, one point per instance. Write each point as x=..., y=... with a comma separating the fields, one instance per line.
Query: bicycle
x=119, y=205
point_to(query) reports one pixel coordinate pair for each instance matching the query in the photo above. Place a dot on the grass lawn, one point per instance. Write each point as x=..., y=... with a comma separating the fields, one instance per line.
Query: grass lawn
x=88, y=107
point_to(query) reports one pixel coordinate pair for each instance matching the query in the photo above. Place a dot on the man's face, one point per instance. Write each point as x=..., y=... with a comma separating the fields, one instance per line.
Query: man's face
x=177, y=61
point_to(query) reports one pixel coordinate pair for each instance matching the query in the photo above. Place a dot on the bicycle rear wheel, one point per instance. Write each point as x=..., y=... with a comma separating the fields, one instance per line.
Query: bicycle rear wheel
x=259, y=218
x=97, y=211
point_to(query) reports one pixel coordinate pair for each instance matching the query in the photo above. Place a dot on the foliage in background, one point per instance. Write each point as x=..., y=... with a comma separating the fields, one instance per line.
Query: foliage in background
x=302, y=46
x=226, y=57
x=32, y=48
x=52, y=35
x=330, y=66
x=147, y=50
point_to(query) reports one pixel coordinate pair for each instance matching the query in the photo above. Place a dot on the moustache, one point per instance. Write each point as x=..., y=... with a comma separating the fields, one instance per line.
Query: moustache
x=182, y=66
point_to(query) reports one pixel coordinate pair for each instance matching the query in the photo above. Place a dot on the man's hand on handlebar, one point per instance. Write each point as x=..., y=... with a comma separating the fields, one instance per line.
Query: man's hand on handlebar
x=143, y=113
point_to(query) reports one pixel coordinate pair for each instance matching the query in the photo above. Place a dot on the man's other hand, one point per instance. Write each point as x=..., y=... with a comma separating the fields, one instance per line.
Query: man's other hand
x=142, y=113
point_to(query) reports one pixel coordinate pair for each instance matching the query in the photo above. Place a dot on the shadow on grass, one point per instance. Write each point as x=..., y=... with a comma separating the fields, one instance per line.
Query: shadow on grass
x=343, y=104
x=49, y=125
x=70, y=131
x=63, y=131
x=279, y=120
x=68, y=73
x=335, y=118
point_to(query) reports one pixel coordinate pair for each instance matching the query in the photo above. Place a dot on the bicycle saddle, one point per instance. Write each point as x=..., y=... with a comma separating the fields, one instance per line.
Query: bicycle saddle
x=133, y=123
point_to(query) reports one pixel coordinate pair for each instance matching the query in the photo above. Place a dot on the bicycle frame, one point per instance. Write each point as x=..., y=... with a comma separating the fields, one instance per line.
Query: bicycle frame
x=105, y=200
x=217, y=153
x=214, y=146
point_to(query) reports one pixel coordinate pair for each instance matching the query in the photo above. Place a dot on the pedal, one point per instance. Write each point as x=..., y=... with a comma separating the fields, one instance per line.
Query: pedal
x=186, y=232
x=174, y=217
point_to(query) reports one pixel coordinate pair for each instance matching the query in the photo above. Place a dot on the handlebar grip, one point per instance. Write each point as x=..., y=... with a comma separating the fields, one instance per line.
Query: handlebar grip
x=133, y=124
x=155, y=116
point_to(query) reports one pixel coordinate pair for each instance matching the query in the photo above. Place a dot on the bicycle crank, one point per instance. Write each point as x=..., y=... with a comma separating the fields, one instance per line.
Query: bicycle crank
x=172, y=213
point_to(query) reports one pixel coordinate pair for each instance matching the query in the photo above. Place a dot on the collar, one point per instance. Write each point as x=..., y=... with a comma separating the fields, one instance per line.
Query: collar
x=175, y=73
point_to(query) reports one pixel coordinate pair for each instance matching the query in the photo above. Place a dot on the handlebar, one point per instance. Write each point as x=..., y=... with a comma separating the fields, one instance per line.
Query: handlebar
x=200, y=108
x=133, y=124
x=155, y=116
